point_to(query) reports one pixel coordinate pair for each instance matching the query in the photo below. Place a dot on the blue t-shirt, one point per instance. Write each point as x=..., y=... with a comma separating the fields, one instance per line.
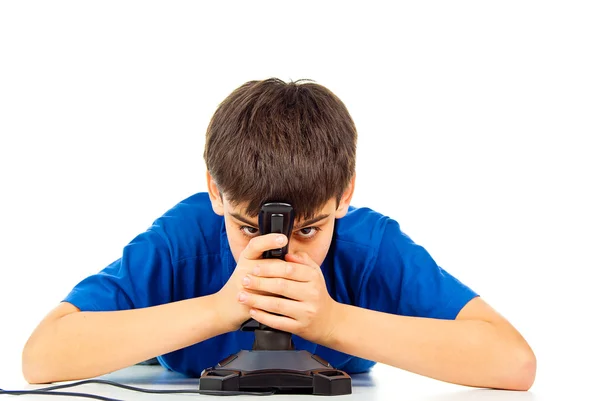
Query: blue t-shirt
x=185, y=254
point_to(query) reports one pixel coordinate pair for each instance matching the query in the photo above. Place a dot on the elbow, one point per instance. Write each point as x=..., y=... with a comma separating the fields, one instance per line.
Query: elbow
x=28, y=367
x=522, y=371
x=32, y=365
x=528, y=369
x=31, y=378
x=39, y=363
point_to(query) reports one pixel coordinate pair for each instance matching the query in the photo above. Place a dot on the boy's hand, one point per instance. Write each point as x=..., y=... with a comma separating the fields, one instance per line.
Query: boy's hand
x=227, y=298
x=307, y=309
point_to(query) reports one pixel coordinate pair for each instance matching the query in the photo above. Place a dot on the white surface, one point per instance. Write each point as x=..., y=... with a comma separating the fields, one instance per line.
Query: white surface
x=493, y=109
x=383, y=383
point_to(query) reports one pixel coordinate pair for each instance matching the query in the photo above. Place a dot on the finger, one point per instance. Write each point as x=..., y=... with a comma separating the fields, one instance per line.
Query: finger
x=257, y=245
x=282, y=323
x=277, y=305
x=280, y=268
x=302, y=258
x=276, y=285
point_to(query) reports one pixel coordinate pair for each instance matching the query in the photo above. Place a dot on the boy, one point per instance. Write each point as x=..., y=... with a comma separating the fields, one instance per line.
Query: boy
x=357, y=289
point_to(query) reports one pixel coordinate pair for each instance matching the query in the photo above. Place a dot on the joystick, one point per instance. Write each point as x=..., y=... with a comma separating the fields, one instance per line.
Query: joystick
x=274, y=363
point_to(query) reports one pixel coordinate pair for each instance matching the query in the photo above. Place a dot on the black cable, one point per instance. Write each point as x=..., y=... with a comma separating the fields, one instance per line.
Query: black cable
x=63, y=393
x=50, y=390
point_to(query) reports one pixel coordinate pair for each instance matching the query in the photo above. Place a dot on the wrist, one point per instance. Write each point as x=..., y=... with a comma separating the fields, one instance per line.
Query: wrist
x=219, y=314
x=337, y=316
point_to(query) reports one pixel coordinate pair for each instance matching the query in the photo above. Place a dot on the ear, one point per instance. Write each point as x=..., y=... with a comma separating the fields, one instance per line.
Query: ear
x=215, y=195
x=346, y=199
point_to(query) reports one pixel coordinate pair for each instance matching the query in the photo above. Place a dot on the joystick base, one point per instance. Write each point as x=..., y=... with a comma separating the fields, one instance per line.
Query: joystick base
x=285, y=371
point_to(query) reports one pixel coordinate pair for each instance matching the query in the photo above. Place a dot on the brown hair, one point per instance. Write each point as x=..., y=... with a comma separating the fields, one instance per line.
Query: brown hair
x=274, y=141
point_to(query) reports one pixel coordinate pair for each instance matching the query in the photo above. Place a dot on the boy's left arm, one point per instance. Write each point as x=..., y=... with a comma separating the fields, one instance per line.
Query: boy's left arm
x=479, y=348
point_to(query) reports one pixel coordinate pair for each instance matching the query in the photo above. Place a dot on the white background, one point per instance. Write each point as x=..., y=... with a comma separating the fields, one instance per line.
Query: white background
x=478, y=130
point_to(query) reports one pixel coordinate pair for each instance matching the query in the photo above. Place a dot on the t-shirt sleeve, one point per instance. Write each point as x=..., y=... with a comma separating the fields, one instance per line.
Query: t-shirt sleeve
x=406, y=280
x=141, y=277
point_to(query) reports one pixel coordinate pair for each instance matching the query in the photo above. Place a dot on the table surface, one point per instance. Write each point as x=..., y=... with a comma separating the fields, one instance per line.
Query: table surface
x=382, y=383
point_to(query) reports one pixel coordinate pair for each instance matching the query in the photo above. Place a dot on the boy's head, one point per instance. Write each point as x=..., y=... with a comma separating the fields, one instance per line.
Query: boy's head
x=286, y=142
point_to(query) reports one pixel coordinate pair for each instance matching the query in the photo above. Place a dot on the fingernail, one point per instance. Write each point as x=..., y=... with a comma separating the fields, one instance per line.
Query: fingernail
x=256, y=271
x=242, y=297
x=246, y=281
x=280, y=239
x=252, y=312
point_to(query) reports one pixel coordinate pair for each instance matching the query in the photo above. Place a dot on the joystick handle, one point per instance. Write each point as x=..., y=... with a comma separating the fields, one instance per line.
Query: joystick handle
x=273, y=340
x=274, y=217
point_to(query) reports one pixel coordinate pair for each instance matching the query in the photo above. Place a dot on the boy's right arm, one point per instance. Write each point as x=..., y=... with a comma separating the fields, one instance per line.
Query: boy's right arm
x=72, y=345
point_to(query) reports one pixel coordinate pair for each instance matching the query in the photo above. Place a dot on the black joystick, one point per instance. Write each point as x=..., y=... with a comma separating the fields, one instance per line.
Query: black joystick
x=274, y=363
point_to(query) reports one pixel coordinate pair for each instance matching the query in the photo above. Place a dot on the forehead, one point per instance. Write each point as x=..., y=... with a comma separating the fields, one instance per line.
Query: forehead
x=241, y=208
x=239, y=212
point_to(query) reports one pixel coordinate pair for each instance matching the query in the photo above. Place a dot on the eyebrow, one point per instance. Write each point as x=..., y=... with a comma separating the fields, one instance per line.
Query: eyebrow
x=304, y=224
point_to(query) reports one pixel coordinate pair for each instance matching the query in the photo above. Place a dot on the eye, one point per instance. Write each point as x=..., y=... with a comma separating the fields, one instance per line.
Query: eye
x=248, y=231
x=308, y=233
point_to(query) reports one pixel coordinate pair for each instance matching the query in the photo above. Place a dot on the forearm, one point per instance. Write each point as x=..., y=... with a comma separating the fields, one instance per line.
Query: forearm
x=467, y=352
x=88, y=344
